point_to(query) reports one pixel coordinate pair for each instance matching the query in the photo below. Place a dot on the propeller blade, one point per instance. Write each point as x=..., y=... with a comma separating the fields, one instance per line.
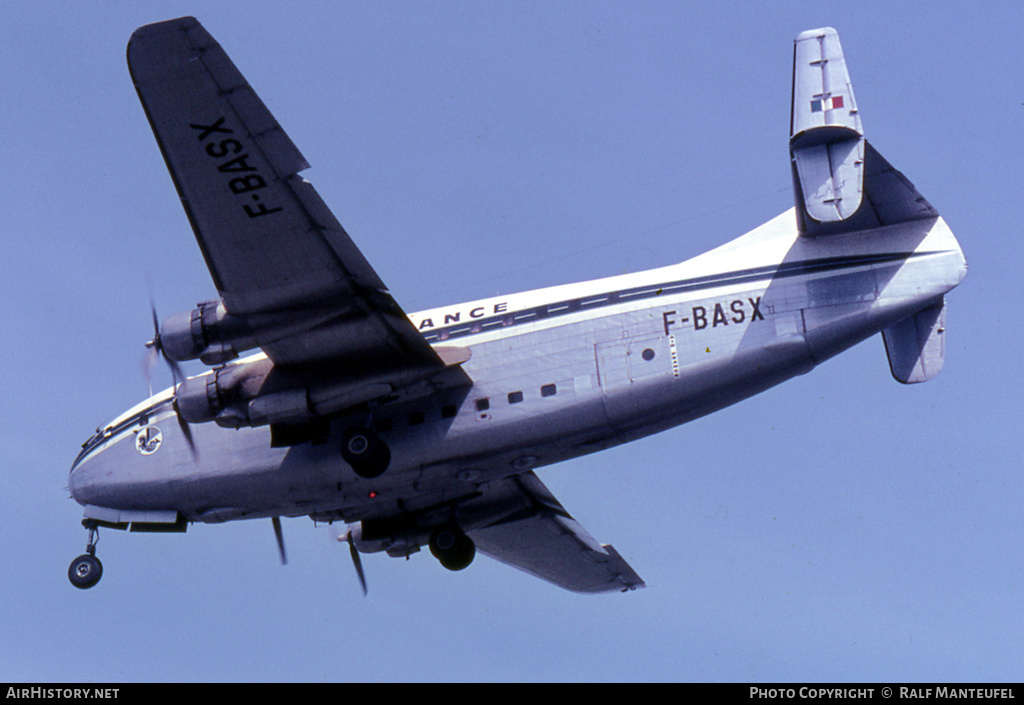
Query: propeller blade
x=186, y=431
x=152, y=311
x=177, y=376
x=280, y=539
x=148, y=363
x=357, y=561
x=176, y=372
x=156, y=346
x=153, y=346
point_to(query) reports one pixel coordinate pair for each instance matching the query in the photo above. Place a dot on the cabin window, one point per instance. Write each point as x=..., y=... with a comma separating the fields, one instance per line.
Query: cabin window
x=416, y=418
x=483, y=404
x=383, y=424
x=548, y=390
x=515, y=397
x=647, y=354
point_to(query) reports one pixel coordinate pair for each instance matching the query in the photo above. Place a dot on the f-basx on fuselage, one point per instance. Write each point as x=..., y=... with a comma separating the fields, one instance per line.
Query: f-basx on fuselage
x=426, y=429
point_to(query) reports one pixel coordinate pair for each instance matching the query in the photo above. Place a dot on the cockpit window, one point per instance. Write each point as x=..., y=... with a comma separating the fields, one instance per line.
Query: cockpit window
x=115, y=427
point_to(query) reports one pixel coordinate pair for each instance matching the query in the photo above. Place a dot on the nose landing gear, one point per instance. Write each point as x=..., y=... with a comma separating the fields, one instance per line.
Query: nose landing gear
x=86, y=570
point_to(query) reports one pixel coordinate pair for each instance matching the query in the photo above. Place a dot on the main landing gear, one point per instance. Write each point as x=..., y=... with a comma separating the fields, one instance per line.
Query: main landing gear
x=86, y=570
x=363, y=449
x=452, y=547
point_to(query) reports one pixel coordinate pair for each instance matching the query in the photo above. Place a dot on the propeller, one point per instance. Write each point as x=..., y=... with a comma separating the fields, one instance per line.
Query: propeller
x=186, y=430
x=156, y=351
x=356, y=560
x=280, y=539
x=354, y=552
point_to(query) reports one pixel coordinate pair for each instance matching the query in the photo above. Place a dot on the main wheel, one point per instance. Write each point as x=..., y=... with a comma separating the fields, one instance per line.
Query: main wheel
x=85, y=571
x=452, y=548
x=368, y=455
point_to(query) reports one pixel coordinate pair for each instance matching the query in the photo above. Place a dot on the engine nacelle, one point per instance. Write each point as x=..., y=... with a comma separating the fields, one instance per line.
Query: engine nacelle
x=208, y=332
x=223, y=395
x=368, y=538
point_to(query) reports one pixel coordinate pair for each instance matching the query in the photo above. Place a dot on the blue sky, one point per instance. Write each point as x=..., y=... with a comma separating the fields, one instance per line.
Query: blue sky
x=840, y=527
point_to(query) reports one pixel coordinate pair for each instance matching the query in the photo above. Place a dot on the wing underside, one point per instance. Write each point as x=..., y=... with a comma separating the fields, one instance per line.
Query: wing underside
x=542, y=539
x=278, y=257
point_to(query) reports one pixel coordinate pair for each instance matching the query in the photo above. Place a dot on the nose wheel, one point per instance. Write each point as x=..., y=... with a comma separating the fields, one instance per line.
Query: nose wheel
x=86, y=570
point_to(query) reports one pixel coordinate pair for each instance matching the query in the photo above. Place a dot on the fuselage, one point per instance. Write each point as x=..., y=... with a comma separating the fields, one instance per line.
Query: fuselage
x=557, y=373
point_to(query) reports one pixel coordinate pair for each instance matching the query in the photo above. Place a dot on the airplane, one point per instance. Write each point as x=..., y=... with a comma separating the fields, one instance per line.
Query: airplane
x=427, y=429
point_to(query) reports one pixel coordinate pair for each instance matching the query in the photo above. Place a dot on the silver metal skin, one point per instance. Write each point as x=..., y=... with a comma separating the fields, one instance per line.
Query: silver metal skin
x=527, y=380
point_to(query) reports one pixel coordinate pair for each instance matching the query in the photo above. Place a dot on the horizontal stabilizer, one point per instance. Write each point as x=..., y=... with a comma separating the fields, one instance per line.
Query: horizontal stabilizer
x=842, y=184
x=916, y=345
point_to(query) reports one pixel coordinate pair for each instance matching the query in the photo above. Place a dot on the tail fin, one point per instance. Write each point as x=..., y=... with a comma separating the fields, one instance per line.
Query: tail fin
x=841, y=182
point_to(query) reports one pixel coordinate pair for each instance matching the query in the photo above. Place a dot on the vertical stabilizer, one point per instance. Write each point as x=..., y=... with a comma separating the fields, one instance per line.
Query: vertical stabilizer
x=826, y=140
x=842, y=184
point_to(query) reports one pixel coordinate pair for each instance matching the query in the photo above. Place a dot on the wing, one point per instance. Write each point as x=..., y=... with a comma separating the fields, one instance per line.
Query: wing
x=284, y=266
x=540, y=538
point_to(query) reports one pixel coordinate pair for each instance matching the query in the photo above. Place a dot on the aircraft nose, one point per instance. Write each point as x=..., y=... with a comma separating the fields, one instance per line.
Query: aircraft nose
x=86, y=485
x=85, y=480
x=130, y=469
x=74, y=484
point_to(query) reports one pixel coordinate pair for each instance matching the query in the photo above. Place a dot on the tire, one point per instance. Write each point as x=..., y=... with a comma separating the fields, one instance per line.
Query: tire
x=85, y=571
x=452, y=548
x=368, y=455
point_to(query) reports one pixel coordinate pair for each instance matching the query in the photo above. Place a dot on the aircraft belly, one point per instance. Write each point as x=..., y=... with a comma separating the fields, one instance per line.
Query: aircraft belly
x=704, y=385
x=237, y=475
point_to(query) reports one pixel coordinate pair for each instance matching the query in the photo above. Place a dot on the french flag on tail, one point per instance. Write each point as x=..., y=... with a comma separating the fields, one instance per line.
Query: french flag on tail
x=820, y=104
